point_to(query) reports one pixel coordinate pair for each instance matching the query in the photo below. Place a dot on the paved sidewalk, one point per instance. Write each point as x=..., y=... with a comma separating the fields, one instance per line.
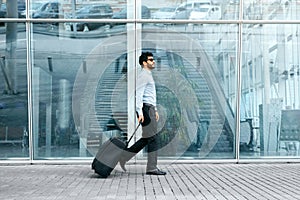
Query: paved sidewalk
x=183, y=181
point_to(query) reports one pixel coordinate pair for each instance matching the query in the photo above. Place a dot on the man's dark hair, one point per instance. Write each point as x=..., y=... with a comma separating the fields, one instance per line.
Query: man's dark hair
x=144, y=57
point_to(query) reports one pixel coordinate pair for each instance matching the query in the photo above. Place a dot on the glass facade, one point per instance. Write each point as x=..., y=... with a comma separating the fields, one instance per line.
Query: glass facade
x=227, y=77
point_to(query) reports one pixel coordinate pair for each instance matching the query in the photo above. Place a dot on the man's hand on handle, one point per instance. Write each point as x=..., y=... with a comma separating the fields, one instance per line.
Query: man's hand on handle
x=156, y=115
x=141, y=119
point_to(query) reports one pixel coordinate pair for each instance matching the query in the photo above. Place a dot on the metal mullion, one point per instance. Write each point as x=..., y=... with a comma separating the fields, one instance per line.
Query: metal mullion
x=240, y=21
x=239, y=83
x=29, y=86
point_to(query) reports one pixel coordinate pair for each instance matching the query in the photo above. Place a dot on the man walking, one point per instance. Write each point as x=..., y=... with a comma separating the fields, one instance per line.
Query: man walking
x=147, y=116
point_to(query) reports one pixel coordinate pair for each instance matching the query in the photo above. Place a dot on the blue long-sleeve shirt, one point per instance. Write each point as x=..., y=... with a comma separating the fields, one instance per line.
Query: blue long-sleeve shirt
x=145, y=90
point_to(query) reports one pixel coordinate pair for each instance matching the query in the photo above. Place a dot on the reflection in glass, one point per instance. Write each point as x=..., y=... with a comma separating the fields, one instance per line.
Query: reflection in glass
x=196, y=92
x=80, y=73
x=12, y=8
x=33, y=7
x=13, y=92
x=67, y=126
x=271, y=10
x=122, y=14
x=97, y=11
x=196, y=10
x=270, y=91
x=48, y=10
x=57, y=58
x=65, y=86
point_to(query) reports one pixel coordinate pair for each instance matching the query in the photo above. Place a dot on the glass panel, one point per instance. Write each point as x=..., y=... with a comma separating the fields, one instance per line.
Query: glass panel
x=72, y=9
x=81, y=81
x=75, y=80
x=12, y=8
x=195, y=77
x=34, y=6
x=270, y=91
x=80, y=89
x=78, y=10
x=46, y=10
x=194, y=10
x=91, y=11
x=271, y=10
x=13, y=92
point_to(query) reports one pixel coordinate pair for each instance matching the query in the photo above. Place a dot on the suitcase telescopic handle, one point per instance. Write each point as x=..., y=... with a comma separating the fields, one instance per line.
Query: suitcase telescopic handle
x=134, y=133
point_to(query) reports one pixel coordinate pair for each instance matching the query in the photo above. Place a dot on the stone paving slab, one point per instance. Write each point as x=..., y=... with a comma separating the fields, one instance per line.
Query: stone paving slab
x=183, y=181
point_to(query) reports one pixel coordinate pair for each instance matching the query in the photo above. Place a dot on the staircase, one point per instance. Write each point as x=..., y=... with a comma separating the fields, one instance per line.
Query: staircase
x=212, y=137
x=109, y=121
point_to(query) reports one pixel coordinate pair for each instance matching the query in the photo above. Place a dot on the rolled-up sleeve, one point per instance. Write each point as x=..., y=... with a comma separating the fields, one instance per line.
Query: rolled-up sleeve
x=139, y=96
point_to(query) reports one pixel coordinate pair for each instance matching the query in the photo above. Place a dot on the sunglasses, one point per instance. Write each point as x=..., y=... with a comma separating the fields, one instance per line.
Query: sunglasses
x=151, y=59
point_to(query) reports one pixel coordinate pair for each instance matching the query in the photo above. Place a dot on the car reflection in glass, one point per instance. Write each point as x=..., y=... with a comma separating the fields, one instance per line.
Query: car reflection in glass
x=206, y=12
x=3, y=9
x=122, y=14
x=33, y=7
x=181, y=13
x=97, y=11
x=164, y=13
x=47, y=10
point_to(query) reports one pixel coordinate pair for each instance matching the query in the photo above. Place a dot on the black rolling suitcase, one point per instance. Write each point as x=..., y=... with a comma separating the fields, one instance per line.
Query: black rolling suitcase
x=109, y=155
